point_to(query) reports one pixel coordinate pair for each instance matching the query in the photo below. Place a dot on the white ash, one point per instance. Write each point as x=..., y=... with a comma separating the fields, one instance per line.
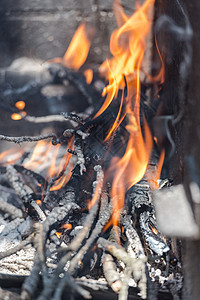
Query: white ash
x=11, y=232
x=19, y=263
x=10, y=229
x=82, y=134
x=81, y=159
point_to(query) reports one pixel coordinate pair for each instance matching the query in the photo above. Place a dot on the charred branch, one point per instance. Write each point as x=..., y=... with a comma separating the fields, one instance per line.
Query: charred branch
x=10, y=209
x=22, y=139
x=110, y=272
x=133, y=266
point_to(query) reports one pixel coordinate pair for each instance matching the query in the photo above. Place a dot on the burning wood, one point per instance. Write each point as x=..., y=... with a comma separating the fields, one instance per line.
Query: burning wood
x=86, y=198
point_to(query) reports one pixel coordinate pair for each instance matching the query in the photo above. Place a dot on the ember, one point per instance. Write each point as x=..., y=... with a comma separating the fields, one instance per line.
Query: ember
x=82, y=196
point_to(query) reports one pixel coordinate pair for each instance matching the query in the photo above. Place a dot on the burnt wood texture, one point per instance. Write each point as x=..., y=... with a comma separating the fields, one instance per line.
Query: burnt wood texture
x=192, y=157
x=185, y=163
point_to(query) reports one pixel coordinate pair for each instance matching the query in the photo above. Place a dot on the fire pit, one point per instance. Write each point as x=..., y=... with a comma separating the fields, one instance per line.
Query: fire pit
x=90, y=203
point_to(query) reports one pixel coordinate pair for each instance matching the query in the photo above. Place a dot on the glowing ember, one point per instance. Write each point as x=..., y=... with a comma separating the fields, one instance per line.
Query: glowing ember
x=58, y=234
x=39, y=202
x=88, y=76
x=155, y=231
x=154, y=175
x=20, y=105
x=16, y=117
x=66, y=226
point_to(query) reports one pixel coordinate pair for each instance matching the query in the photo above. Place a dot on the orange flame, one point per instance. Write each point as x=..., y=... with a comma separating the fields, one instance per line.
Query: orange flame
x=11, y=156
x=58, y=234
x=127, y=45
x=154, y=176
x=39, y=202
x=117, y=122
x=41, y=154
x=155, y=231
x=20, y=105
x=64, y=164
x=78, y=49
x=66, y=226
x=17, y=116
x=88, y=75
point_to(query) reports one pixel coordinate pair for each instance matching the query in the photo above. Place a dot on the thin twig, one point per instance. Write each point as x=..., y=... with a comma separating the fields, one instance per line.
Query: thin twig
x=21, y=139
x=73, y=247
x=76, y=243
x=51, y=182
x=104, y=215
x=137, y=265
x=10, y=209
x=123, y=294
x=134, y=245
x=37, y=208
x=31, y=283
x=18, y=247
x=110, y=272
x=74, y=287
x=45, y=119
x=57, y=215
x=73, y=117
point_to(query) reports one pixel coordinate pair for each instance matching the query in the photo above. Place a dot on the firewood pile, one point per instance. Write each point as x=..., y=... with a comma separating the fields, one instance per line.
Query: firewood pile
x=61, y=239
x=82, y=230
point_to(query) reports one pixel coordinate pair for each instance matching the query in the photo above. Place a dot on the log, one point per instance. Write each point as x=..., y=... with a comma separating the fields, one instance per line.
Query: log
x=191, y=156
x=185, y=163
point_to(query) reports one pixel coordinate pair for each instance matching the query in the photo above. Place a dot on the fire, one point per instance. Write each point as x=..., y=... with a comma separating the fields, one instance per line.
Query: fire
x=44, y=158
x=127, y=45
x=11, y=156
x=123, y=73
x=20, y=105
x=155, y=231
x=88, y=75
x=16, y=116
x=39, y=202
x=66, y=226
x=65, y=167
x=58, y=234
x=154, y=176
x=44, y=152
x=78, y=49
